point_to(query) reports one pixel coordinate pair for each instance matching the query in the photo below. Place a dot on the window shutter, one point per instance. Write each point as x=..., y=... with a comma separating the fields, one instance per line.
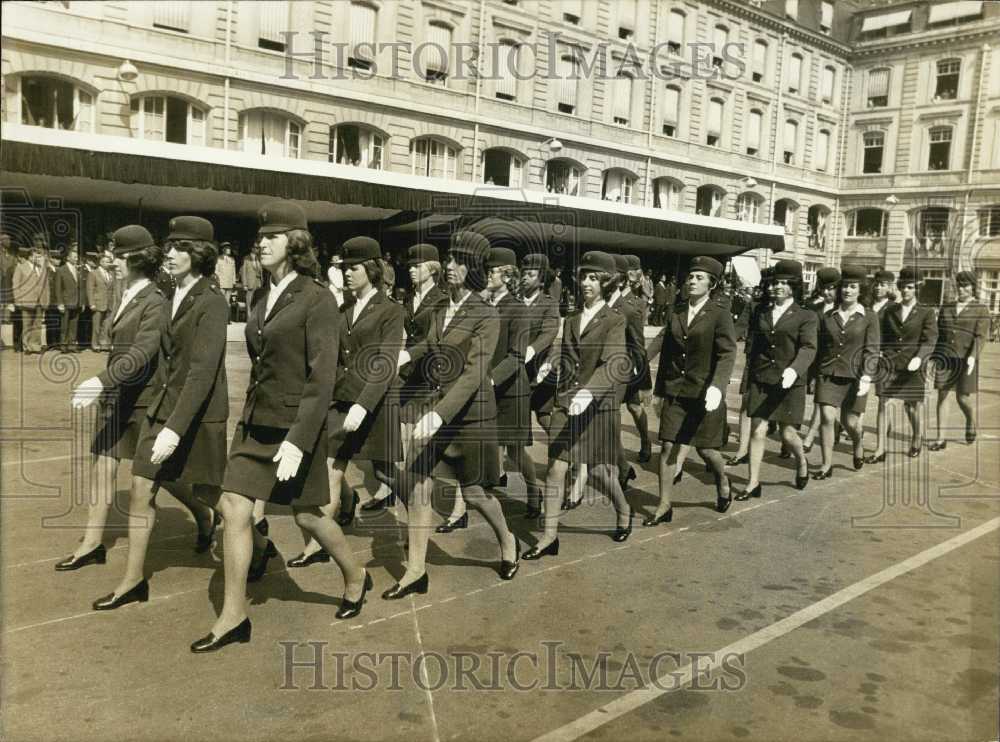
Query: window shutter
x=671, y=105
x=626, y=14
x=795, y=71
x=760, y=57
x=753, y=129
x=791, y=135
x=826, y=14
x=721, y=36
x=507, y=59
x=623, y=97
x=878, y=83
x=675, y=27
x=567, y=81
x=715, y=117
x=437, y=56
x=822, y=149
x=829, y=79
x=362, y=30
x=175, y=15
x=273, y=20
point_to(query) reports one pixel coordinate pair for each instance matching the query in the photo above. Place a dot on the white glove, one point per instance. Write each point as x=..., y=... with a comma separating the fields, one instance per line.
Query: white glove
x=713, y=398
x=355, y=416
x=543, y=372
x=427, y=426
x=970, y=365
x=289, y=457
x=529, y=354
x=164, y=445
x=88, y=391
x=788, y=377
x=864, y=385
x=914, y=364
x=580, y=402
x=404, y=358
x=62, y=307
x=645, y=395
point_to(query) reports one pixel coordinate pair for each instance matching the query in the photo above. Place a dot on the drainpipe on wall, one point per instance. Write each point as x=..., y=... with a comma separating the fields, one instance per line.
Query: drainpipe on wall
x=983, y=74
x=479, y=85
x=225, y=83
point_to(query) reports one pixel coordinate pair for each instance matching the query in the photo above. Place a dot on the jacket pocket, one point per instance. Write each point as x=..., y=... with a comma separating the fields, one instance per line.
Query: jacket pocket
x=293, y=400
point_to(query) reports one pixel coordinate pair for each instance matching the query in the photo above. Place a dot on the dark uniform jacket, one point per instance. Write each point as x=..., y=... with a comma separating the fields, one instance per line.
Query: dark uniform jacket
x=903, y=341
x=694, y=358
x=369, y=351
x=189, y=386
x=595, y=359
x=417, y=324
x=135, y=348
x=962, y=335
x=771, y=348
x=458, y=362
x=542, y=328
x=507, y=365
x=293, y=360
x=68, y=289
x=849, y=350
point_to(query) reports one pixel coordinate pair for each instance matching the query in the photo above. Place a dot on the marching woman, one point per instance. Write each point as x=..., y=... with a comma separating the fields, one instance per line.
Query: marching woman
x=883, y=297
x=278, y=453
x=780, y=348
x=639, y=387
x=455, y=440
x=182, y=440
x=363, y=425
x=119, y=390
x=909, y=334
x=962, y=331
x=848, y=356
x=696, y=361
x=593, y=367
x=761, y=302
x=823, y=299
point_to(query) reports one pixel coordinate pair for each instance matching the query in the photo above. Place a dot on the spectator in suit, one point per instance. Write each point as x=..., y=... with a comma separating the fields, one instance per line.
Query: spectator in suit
x=31, y=295
x=8, y=261
x=225, y=270
x=68, y=300
x=661, y=299
x=251, y=273
x=53, y=319
x=100, y=298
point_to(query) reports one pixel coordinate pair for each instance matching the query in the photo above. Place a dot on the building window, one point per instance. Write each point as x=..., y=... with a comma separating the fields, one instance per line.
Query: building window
x=759, y=60
x=713, y=135
x=825, y=16
x=755, y=124
x=947, y=79
x=878, y=87
x=708, y=201
x=623, y=99
x=748, y=207
x=438, y=51
x=867, y=223
x=572, y=11
x=829, y=83
x=823, y=150
x=568, y=76
x=503, y=168
x=618, y=185
x=792, y=9
x=507, y=61
x=816, y=221
x=874, y=145
x=784, y=214
x=270, y=134
x=358, y=146
x=671, y=110
x=54, y=103
x=626, y=19
x=167, y=119
x=563, y=177
x=794, y=73
x=989, y=221
x=721, y=38
x=667, y=194
x=433, y=158
x=675, y=31
x=274, y=17
x=932, y=228
x=940, y=149
x=173, y=16
x=362, y=51
x=790, y=142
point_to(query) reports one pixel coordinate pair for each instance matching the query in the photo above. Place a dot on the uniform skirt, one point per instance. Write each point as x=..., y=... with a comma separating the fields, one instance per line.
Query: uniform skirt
x=543, y=398
x=513, y=420
x=200, y=456
x=251, y=471
x=951, y=374
x=378, y=438
x=906, y=385
x=591, y=438
x=841, y=392
x=773, y=403
x=684, y=420
x=467, y=453
x=117, y=431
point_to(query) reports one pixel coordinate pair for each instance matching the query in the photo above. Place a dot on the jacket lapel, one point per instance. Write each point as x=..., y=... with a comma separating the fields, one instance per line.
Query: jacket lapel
x=134, y=302
x=598, y=318
x=286, y=298
x=365, y=311
x=188, y=301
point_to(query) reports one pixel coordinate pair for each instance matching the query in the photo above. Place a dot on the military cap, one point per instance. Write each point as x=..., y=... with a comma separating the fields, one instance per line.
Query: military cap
x=709, y=265
x=966, y=278
x=131, y=238
x=535, y=261
x=470, y=244
x=281, y=216
x=634, y=264
x=191, y=228
x=827, y=276
x=887, y=276
x=853, y=273
x=597, y=262
x=621, y=263
x=787, y=270
x=910, y=275
x=501, y=256
x=422, y=253
x=360, y=249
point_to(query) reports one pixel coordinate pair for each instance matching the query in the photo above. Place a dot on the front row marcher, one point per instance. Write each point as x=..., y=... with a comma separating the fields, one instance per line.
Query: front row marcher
x=696, y=361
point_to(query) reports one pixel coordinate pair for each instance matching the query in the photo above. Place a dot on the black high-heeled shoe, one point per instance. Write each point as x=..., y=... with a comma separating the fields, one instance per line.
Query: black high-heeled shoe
x=937, y=445
x=509, y=569
x=535, y=553
x=204, y=541
x=97, y=555
x=784, y=453
x=351, y=608
x=623, y=481
x=569, y=504
x=873, y=459
x=859, y=462
x=374, y=505
x=622, y=534
x=970, y=437
x=211, y=643
x=737, y=460
x=806, y=448
x=257, y=571
x=722, y=503
x=655, y=520
x=914, y=452
x=137, y=594
x=417, y=586
x=454, y=525
x=678, y=477
x=346, y=517
x=824, y=474
x=645, y=453
x=801, y=480
x=302, y=560
x=262, y=527
x=747, y=494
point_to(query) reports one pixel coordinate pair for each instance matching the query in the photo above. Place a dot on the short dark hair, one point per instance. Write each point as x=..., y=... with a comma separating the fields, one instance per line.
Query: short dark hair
x=203, y=254
x=864, y=290
x=375, y=270
x=608, y=281
x=146, y=262
x=301, y=254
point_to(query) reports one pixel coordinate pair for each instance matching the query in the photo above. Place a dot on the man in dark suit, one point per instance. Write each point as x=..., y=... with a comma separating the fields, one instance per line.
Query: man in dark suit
x=68, y=300
x=100, y=284
x=8, y=260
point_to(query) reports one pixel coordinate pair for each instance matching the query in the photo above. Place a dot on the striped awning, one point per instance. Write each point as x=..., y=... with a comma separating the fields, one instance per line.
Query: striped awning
x=886, y=20
x=950, y=11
